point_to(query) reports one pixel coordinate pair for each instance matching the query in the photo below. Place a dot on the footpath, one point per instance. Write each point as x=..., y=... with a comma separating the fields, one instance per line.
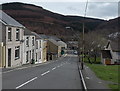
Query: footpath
x=90, y=80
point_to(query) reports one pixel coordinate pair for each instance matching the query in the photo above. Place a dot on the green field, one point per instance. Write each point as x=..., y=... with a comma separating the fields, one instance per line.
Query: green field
x=107, y=73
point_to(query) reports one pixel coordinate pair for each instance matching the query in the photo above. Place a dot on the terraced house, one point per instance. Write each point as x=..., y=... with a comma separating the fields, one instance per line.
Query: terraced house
x=11, y=36
x=29, y=47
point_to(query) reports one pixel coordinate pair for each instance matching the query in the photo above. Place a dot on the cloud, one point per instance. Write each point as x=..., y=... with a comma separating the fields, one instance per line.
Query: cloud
x=72, y=8
x=31, y=1
x=103, y=10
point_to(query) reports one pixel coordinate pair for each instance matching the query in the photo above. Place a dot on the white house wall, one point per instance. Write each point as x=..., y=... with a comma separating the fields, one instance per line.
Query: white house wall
x=38, y=52
x=12, y=44
x=29, y=48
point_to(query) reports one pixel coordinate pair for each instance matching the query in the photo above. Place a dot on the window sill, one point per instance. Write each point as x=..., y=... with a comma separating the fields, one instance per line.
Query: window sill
x=17, y=58
x=17, y=40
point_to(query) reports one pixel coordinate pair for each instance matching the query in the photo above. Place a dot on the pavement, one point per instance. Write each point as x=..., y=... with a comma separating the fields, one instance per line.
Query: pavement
x=60, y=74
x=91, y=81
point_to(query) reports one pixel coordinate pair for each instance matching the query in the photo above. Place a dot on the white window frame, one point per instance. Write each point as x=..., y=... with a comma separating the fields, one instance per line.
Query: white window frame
x=33, y=41
x=17, y=48
x=10, y=31
x=27, y=41
x=17, y=34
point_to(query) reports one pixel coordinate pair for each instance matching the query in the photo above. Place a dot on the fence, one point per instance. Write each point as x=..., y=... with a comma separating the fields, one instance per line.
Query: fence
x=2, y=55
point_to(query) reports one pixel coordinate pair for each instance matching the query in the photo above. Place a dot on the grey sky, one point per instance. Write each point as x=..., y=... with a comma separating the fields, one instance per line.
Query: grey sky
x=104, y=10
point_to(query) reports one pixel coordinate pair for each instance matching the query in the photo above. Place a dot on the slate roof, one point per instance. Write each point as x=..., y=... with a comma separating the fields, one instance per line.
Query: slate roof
x=9, y=20
x=54, y=42
x=63, y=44
x=42, y=36
x=36, y=35
x=27, y=32
x=54, y=38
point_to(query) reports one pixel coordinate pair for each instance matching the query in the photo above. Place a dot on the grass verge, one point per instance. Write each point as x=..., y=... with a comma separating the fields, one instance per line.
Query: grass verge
x=107, y=73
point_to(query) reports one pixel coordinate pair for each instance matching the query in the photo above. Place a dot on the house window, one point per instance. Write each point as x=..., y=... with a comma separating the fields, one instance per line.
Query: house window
x=27, y=41
x=17, y=52
x=17, y=34
x=40, y=44
x=32, y=41
x=9, y=34
x=36, y=44
x=32, y=54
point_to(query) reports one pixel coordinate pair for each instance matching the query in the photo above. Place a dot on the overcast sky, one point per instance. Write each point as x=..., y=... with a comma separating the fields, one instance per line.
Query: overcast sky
x=103, y=9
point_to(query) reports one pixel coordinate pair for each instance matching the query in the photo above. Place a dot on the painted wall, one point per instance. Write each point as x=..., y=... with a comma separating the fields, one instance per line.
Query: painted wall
x=44, y=50
x=28, y=49
x=12, y=44
x=38, y=51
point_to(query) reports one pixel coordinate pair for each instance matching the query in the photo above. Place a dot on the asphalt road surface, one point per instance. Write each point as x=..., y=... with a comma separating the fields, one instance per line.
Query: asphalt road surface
x=60, y=74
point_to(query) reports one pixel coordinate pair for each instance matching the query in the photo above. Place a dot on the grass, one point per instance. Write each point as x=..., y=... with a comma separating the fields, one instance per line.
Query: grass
x=107, y=73
x=98, y=60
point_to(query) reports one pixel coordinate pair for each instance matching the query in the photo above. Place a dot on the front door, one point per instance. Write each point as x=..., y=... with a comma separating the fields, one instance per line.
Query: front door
x=9, y=57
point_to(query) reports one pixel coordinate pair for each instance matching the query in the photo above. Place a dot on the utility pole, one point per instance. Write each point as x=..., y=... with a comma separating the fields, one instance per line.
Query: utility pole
x=83, y=39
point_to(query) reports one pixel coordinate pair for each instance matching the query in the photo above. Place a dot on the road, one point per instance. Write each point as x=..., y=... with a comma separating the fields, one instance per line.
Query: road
x=60, y=74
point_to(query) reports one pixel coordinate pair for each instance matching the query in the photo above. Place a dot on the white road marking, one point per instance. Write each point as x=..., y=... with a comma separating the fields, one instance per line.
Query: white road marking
x=87, y=78
x=58, y=66
x=26, y=83
x=45, y=73
x=84, y=84
x=54, y=68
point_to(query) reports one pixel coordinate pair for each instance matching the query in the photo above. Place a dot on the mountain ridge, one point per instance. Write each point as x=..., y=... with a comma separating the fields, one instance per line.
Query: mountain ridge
x=43, y=21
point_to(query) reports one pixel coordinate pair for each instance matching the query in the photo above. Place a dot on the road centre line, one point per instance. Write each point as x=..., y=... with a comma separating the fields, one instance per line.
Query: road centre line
x=45, y=73
x=58, y=66
x=26, y=82
x=54, y=68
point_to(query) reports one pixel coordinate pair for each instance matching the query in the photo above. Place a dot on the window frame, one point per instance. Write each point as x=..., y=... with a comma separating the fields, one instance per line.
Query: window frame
x=17, y=49
x=17, y=34
x=9, y=31
x=33, y=41
x=27, y=41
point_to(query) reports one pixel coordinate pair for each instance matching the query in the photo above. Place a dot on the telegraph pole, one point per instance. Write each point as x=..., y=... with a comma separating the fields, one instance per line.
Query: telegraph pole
x=83, y=39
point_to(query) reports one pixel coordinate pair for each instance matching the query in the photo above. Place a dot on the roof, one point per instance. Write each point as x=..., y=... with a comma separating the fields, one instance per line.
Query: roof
x=63, y=44
x=42, y=36
x=9, y=20
x=115, y=45
x=106, y=54
x=27, y=32
x=54, y=42
x=54, y=38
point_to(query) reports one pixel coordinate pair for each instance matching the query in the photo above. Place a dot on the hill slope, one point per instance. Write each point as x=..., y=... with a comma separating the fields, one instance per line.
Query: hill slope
x=43, y=21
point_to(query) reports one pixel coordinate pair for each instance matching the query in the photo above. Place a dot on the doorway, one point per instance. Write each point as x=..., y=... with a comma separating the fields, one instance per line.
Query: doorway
x=9, y=57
